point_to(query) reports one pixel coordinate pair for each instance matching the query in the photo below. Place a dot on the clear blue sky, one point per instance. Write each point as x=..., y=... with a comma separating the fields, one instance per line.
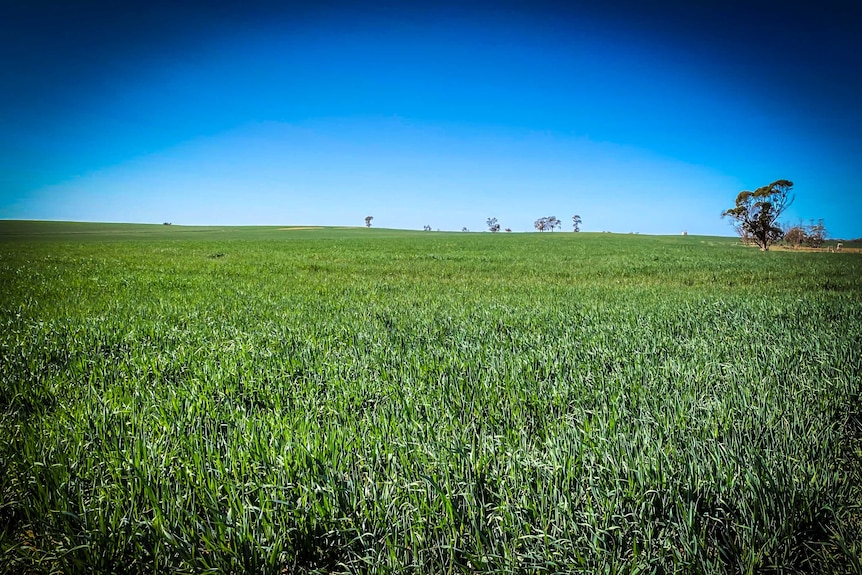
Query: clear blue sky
x=638, y=116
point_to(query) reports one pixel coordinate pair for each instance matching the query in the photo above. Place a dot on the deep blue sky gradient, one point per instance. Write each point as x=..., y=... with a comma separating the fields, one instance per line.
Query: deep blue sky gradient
x=646, y=117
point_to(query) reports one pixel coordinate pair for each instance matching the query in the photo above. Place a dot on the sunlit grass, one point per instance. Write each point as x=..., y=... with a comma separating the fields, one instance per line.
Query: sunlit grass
x=262, y=400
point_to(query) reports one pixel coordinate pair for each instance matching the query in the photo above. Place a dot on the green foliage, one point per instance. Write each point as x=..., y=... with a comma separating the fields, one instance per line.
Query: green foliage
x=756, y=213
x=377, y=401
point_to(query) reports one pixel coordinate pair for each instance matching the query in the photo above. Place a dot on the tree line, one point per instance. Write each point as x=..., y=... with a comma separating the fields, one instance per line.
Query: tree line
x=549, y=223
x=754, y=217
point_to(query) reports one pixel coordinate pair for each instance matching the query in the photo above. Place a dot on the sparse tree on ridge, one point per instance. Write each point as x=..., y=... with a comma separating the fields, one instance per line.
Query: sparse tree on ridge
x=547, y=223
x=576, y=222
x=368, y=221
x=756, y=213
x=427, y=228
x=493, y=225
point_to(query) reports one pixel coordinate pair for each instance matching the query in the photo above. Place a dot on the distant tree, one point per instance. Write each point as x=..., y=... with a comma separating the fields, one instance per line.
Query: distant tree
x=547, y=223
x=816, y=234
x=812, y=235
x=576, y=223
x=508, y=230
x=368, y=221
x=493, y=225
x=756, y=213
x=795, y=236
x=427, y=228
x=464, y=229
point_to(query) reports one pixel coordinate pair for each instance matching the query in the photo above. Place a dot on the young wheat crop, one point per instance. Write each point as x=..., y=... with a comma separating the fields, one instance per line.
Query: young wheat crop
x=318, y=401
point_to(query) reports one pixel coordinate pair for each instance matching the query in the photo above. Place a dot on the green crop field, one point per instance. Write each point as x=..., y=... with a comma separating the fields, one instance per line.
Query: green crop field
x=267, y=400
